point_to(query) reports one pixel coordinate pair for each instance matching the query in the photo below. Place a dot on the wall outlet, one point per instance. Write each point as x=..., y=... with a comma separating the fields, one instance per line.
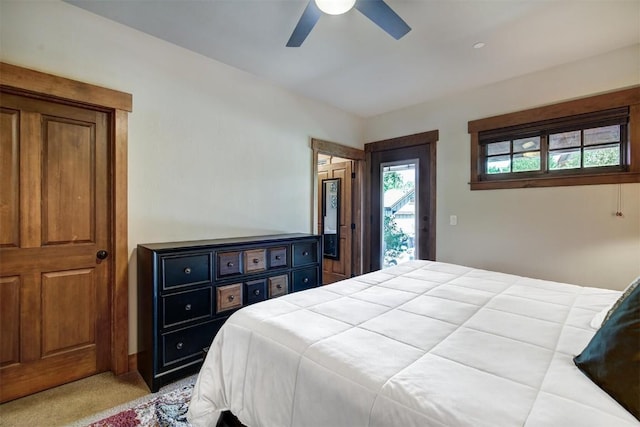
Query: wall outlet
x=453, y=219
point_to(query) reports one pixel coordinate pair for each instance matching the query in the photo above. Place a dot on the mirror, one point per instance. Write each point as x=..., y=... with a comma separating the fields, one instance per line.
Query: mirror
x=331, y=217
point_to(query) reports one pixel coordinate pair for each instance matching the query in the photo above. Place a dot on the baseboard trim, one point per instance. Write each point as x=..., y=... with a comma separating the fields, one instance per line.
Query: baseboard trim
x=133, y=362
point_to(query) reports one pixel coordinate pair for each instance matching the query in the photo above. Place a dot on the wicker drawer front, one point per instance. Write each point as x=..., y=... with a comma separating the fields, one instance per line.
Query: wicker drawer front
x=305, y=279
x=255, y=291
x=187, y=306
x=277, y=257
x=228, y=297
x=278, y=285
x=229, y=263
x=305, y=253
x=185, y=270
x=255, y=260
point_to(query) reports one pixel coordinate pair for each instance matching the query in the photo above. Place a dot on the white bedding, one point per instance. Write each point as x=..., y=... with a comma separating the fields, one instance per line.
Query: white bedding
x=420, y=344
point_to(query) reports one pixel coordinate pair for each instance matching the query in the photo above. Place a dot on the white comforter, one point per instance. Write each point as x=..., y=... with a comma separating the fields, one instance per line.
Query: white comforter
x=420, y=344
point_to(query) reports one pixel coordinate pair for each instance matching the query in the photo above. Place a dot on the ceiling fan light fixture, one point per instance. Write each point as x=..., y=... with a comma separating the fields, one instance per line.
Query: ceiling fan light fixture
x=335, y=7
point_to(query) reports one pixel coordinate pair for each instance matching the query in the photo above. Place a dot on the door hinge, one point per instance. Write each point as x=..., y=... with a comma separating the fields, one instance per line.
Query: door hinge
x=353, y=175
x=353, y=226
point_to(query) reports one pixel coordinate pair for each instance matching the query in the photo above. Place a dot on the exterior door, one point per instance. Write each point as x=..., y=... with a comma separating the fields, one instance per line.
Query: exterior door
x=402, y=220
x=341, y=268
x=54, y=222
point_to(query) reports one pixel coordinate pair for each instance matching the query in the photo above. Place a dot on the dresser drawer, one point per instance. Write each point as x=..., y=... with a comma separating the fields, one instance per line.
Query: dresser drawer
x=188, y=343
x=228, y=297
x=185, y=270
x=255, y=291
x=229, y=263
x=187, y=306
x=305, y=279
x=278, y=285
x=305, y=253
x=255, y=260
x=278, y=257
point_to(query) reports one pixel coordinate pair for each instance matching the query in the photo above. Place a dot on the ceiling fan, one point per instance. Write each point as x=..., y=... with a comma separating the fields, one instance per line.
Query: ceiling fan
x=376, y=10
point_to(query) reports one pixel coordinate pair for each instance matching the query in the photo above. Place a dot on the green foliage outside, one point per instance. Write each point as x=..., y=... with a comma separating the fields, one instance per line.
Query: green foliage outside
x=608, y=156
x=396, y=241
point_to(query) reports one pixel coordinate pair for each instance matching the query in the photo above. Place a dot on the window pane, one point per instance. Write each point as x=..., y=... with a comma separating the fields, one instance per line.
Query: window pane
x=499, y=164
x=498, y=148
x=604, y=155
x=564, y=140
x=526, y=144
x=529, y=161
x=602, y=135
x=564, y=159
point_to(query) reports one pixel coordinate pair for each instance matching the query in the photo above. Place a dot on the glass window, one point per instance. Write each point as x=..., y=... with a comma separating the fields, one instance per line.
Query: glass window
x=574, y=145
x=594, y=140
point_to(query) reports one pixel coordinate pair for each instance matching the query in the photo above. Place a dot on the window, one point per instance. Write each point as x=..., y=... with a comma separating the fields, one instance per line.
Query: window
x=590, y=141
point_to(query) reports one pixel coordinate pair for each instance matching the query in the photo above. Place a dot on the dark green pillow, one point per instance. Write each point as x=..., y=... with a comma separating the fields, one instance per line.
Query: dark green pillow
x=612, y=357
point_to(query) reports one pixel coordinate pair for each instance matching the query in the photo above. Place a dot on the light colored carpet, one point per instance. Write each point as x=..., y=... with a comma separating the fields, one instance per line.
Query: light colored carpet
x=74, y=401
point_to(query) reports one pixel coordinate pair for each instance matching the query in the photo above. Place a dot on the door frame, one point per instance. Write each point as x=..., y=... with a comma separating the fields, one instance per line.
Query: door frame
x=358, y=157
x=118, y=104
x=429, y=140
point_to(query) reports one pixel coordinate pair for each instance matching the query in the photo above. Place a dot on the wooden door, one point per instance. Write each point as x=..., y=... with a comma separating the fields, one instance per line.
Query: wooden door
x=419, y=149
x=54, y=218
x=338, y=269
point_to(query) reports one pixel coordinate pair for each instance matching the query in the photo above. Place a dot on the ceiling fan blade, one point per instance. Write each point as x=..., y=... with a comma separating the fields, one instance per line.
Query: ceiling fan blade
x=306, y=23
x=384, y=17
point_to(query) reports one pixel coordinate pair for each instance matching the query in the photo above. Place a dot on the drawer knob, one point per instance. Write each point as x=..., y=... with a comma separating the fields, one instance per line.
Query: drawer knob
x=187, y=307
x=231, y=297
x=187, y=270
x=305, y=253
x=256, y=292
x=305, y=280
x=229, y=264
x=279, y=286
x=256, y=260
x=278, y=257
x=179, y=346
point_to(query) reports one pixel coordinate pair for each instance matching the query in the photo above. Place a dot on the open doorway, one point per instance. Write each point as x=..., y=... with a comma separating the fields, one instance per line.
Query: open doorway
x=337, y=180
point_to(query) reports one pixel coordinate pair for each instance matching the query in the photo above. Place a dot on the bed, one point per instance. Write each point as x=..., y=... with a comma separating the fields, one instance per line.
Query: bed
x=419, y=344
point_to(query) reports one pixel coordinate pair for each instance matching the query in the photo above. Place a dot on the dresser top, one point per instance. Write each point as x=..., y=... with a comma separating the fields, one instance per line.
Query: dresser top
x=194, y=244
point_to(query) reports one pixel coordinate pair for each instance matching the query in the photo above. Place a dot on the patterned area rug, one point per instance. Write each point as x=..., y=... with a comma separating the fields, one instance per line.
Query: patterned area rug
x=165, y=410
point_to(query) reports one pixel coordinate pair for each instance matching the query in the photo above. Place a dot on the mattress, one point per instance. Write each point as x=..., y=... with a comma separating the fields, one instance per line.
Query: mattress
x=419, y=344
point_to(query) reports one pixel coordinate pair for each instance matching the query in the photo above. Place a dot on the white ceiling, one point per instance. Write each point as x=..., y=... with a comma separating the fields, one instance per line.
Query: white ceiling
x=349, y=62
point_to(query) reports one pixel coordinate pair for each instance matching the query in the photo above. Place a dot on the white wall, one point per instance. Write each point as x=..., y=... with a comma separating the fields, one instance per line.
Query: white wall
x=213, y=151
x=565, y=234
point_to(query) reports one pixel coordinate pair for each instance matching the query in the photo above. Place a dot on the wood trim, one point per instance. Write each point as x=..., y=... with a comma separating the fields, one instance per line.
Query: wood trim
x=366, y=214
x=629, y=97
x=118, y=103
x=620, y=98
x=357, y=214
x=120, y=308
x=335, y=149
x=133, y=362
x=620, y=178
x=403, y=141
x=475, y=158
x=60, y=87
x=433, y=211
x=429, y=140
x=634, y=139
x=358, y=157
